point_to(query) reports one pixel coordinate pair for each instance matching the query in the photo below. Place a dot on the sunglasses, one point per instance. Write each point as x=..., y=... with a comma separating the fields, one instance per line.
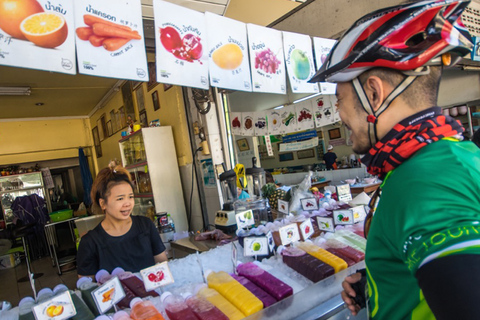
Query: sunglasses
x=372, y=206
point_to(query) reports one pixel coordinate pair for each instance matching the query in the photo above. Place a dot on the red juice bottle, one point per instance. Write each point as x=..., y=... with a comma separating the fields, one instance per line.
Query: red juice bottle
x=176, y=308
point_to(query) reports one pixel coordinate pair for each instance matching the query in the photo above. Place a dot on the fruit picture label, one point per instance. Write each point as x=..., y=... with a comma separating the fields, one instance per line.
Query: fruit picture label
x=236, y=122
x=343, y=217
x=299, y=62
x=108, y=294
x=325, y=224
x=260, y=123
x=244, y=219
x=289, y=234
x=181, y=45
x=322, y=48
x=288, y=119
x=156, y=276
x=274, y=122
x=344, y=193
x=309, y=204
x=59, y=307
x=305, y=115
x=38, y=34
x=227, y=53
x=306, y=229
x=283, y=206
x=255, y=246
x=266, y=59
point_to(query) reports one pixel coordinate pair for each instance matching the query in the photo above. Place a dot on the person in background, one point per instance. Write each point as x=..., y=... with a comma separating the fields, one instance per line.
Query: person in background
x=120, y=240
x=330, y=159
x=423, y=247
x=242, y=194
x=476, y=138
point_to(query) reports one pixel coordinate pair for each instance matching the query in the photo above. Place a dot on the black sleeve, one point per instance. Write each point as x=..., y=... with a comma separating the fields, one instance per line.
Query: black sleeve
x=451, y=286
x=87, y=256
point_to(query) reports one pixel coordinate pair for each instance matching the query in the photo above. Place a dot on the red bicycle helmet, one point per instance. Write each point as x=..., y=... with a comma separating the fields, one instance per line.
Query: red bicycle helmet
x=403, y=37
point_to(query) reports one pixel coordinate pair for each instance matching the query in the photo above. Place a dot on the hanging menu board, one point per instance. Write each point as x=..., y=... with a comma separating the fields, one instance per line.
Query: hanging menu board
x=38, y=35
x=266, y=59
x=227, y=53
x=322, y=49
x=299, y=62
x=109, y=38
x=180, y=42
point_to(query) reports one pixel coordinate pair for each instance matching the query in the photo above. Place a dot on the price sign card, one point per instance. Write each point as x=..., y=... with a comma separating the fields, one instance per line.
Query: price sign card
x=359, y=213
x=108, y=294
x=245, y=219
x=58, y=308
x=271, y=242
x=283, y=206
x=234, y=258
x=309, y=204
x=289, y=234
x=306, y=228
x=257, y=246
x=343, y=192
x=343, y=216
x=325, y=224
x=156, y=276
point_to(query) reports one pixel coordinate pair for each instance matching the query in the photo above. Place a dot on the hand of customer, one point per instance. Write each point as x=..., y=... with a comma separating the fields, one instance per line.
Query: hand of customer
x=348, y=293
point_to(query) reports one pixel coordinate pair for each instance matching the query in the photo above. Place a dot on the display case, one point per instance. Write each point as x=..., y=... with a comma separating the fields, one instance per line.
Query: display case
x=18, y=185
x=149, y=155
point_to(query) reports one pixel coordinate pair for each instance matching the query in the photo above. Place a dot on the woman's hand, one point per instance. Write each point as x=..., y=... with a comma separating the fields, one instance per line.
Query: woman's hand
x=348, y=293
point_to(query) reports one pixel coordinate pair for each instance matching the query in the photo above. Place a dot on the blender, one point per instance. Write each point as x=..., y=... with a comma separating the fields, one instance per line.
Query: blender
x=255, y=180
x=225, y=218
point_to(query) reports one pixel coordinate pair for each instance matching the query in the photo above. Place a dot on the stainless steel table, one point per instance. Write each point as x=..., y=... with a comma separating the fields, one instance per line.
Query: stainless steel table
x=51, y=235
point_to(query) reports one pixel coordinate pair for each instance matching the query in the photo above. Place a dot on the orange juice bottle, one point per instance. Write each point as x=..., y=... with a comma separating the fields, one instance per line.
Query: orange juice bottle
x=237, y=294
x=322, y=254
x=220, y=302
x=144, y=310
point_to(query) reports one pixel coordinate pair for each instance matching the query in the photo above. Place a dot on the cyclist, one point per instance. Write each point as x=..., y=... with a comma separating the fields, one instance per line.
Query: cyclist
x=423, y=248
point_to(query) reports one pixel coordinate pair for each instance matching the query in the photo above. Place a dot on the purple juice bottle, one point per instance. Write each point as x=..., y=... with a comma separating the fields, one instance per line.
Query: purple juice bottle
x=176, y=307
x=273, y=286
x=267, y=299
x=203, y=309
x=306, y=264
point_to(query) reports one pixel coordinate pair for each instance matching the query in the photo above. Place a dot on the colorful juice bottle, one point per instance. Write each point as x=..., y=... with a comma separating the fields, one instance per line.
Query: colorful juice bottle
x=176, y=308
x=102, y=276
x=266, y=299
x=25, y=308
x=348, y=251
x=121, y=315
x=220, y=302
x=322, y=254
x=354, y=238
x=129, y=294
x=273, y=286
x=339, y=254
x=144, y=310
x=86, y=286
x=306, y=264
x=135, y=285
x=203, y=309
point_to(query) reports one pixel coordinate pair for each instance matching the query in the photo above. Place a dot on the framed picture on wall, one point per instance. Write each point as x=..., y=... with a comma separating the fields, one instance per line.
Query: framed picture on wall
x=152, y=76
x=102, y=128
x=156, y=101
x=118, y=121
x=286, y=156
x=243, y=144
x=143, y=119
x=140, y=99
x=109, y=128
x=127, y=95
x=113, y=120
x=305, y=154
x=334, y=134
x=123, y=117
x=96, y=142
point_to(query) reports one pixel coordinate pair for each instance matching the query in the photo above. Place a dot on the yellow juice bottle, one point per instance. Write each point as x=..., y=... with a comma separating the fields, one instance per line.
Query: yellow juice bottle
x=322, y=254
x=234, y=292
x=220, y=302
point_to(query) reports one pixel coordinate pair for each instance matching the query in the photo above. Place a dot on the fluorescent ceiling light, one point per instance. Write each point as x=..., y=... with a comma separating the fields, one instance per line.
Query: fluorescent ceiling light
x=279, y=107
x=306, y=98
x=15, y=91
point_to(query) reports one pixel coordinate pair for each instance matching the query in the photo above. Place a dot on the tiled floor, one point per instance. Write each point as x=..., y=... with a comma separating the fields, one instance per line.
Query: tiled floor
x=13, y=291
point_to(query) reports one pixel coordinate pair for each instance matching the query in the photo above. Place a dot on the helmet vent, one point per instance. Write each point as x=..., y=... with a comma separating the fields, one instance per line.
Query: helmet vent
x=416, y=39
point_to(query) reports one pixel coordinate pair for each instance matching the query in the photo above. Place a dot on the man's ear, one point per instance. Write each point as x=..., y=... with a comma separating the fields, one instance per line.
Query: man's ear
x=375, y=91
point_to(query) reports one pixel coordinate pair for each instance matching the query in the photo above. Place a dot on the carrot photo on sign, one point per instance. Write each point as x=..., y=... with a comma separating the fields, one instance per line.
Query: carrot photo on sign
x=102, y=33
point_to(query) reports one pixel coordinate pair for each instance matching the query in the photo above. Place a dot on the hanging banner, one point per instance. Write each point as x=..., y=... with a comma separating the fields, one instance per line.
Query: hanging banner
x=323, y=110
x=247, y=124
x=299, y=62
x=299, y=136
x=333, y=102
x=109, y=38
x=322, y=48
x=274, y=121
x=266, y=59
x=295, y=146
x=181, y=45
x=236, y=123
x=228, y=63
x=260, y=120
x=289, y=120
x=305, y=118
x=38, y=35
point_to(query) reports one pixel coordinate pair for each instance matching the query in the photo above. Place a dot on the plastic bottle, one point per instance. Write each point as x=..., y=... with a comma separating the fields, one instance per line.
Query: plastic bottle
x=144, y=310
x=171, y=222
x=306, y=264
x=202, y=308
x=134, y=285
x=322, y=254
x=176, y=308
x=272, y=285
x=121, y=315
x=25, y=308
x=44, y=295
x=215, y=298
x=266, y=299
x=102, y=276
x=102, y=317
x=237, y=294
x=6, y=311
x=129, y=294
x=83, y=312
x=86, y=286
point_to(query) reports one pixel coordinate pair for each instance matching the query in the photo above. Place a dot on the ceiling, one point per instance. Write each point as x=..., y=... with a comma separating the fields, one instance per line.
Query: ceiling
x=64, y=95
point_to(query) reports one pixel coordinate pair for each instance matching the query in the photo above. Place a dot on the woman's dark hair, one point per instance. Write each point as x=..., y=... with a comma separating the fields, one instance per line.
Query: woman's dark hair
x=106, y=179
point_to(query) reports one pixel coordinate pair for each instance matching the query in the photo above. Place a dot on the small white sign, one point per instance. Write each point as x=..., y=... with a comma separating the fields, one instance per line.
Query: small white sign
x=325, y=224
x=343, y=216
x=289, y=234
x=156, y=276
x=108, y=294
x=343, y=192
x=359, y=213
x=244, y=219
x=234, y=258
x=306, y=228
x=257, y=246
x=283, y=206
x=58, y=308
x=309, y=204
x=271, y=242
